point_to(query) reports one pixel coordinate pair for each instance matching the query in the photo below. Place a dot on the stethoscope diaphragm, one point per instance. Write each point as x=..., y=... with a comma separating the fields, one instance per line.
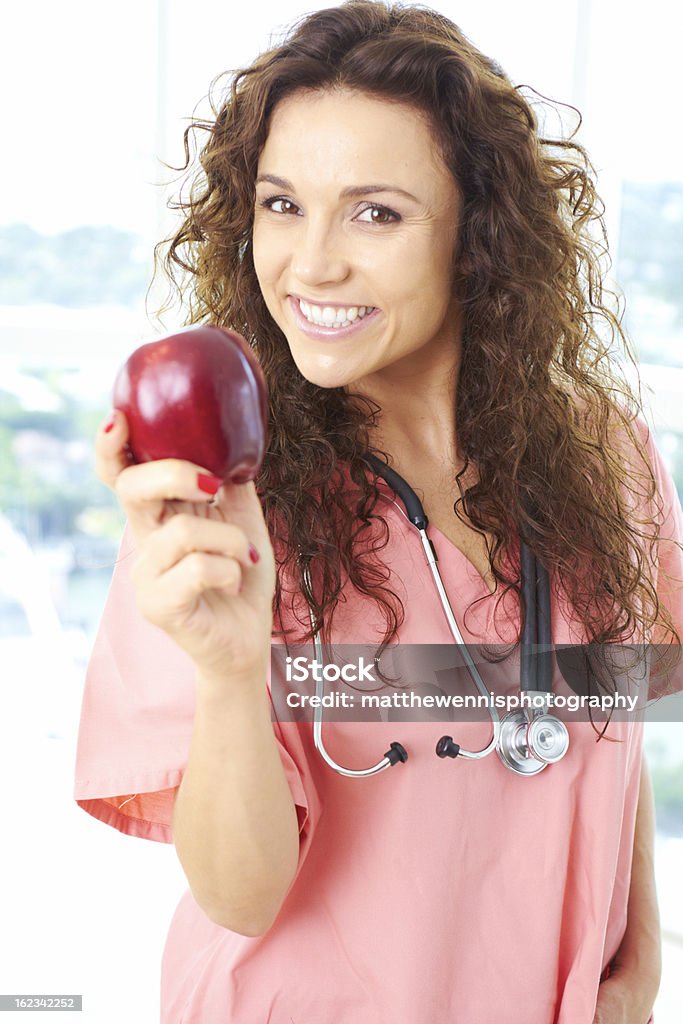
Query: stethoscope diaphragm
x=528, y=747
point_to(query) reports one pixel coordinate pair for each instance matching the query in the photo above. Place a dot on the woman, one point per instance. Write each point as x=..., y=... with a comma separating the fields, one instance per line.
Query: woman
x=413, y=266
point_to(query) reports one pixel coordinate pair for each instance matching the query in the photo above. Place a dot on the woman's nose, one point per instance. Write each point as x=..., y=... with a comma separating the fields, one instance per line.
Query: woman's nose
x=319, y=257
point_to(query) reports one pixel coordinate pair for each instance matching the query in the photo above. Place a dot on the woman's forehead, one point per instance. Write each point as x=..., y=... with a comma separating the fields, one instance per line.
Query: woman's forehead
x=351, y=107
x=343, y=133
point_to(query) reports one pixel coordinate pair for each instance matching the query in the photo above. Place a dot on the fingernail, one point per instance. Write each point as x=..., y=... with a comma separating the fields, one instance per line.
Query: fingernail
x=208, y=483
x=253, y=554
x=111, y=423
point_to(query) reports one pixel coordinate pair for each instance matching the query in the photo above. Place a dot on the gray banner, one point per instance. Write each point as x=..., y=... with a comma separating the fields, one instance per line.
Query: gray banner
x=451, y=682
x=41, y=1003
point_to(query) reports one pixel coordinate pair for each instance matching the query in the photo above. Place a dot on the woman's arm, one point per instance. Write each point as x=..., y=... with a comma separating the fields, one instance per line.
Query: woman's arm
x=235, y=827
x=628, y=994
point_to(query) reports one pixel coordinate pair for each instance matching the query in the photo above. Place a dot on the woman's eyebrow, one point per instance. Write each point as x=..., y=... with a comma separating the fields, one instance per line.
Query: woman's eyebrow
x=346, y=193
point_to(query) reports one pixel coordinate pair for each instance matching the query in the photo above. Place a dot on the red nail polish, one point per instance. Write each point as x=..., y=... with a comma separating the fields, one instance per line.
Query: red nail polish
x=111, y=422
x=208, y=483
x=253, y=554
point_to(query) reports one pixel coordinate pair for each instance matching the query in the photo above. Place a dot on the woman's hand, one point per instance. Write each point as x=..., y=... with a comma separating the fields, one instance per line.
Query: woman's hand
x=621, y=999
x=194, y=575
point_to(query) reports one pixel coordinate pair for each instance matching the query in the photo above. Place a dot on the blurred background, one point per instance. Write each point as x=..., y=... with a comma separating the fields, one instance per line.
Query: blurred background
x=94, y=97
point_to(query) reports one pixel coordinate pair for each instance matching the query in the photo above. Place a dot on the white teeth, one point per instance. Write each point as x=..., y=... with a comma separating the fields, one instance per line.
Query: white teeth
x=331, y=316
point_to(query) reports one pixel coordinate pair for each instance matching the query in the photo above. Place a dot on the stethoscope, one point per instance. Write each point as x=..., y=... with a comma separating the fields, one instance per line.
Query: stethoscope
x=526, y=740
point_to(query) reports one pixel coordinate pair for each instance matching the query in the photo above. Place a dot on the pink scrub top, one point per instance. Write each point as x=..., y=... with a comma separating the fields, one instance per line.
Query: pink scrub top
x=437, y=890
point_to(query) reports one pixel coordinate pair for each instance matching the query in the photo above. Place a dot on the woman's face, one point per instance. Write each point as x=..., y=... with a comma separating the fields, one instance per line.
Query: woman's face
x=354, y=233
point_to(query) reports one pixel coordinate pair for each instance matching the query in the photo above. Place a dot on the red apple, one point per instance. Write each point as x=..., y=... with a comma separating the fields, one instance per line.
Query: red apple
x=199, y=395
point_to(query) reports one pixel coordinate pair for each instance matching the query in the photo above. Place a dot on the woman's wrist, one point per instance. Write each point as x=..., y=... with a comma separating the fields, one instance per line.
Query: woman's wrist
x=242, y=685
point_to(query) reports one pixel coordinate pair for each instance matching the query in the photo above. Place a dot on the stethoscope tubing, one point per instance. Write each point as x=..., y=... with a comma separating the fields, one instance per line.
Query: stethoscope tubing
x=318, y=716
x=464, y=651
x=535, y=668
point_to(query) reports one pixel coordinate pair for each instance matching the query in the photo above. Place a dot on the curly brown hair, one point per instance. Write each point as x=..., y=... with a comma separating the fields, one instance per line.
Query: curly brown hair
x=543, y=405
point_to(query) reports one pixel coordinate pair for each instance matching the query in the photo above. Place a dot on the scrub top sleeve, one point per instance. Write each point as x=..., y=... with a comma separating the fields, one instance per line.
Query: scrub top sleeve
x=137, y=716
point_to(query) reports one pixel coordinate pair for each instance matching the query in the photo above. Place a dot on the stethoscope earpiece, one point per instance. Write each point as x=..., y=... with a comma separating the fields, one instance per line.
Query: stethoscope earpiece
x=396, y=753
x=447, y=748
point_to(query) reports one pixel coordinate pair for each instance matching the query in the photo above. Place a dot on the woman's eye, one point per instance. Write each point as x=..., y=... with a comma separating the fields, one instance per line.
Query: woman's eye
x=370, y=215
x=279, y=205
x=378, y=215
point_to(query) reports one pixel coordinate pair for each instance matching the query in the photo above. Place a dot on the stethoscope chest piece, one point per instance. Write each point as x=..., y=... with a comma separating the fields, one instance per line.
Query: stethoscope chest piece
x=526, y=748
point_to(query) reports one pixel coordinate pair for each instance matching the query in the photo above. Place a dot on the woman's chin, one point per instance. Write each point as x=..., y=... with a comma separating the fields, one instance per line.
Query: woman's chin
x=322, y=378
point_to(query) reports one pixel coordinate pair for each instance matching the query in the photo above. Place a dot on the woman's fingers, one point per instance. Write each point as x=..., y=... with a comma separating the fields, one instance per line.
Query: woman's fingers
x=153, y=483
x=225, y=517
x=184, y=557
x=147, y=484
x=168, y=598
x=183, y=535
x=111, y=453
x=205, y=568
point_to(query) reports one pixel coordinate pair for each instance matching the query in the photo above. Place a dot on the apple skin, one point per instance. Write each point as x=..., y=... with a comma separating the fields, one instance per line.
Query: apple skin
x=198, y=394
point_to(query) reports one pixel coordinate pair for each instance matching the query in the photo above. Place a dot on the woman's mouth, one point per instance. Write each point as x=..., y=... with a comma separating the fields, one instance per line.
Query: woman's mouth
x=320, y=321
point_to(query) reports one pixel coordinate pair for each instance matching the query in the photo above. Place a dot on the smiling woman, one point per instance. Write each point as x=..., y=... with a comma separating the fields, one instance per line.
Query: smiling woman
x=416, y=268
x=496, y=246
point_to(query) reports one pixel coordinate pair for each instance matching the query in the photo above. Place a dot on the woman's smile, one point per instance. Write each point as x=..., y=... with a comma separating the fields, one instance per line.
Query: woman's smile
x=327, y=321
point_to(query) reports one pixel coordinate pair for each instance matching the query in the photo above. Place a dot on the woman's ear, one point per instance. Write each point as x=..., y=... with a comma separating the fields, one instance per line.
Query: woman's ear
x=461, y=271
x=462, y=261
